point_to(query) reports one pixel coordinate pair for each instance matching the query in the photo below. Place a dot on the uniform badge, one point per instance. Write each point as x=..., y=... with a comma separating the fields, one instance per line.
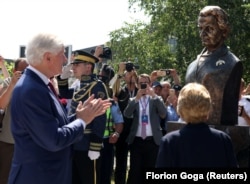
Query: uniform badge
x=100, y=94
x=85, y=78
x=220, y=62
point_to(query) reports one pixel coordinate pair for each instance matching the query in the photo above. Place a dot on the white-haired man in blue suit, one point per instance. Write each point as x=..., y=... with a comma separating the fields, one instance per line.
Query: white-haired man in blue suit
x=42, y=132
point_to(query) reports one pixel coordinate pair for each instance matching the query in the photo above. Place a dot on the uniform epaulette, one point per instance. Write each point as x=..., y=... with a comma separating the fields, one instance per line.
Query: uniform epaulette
x=62, y=82
x=105, y=87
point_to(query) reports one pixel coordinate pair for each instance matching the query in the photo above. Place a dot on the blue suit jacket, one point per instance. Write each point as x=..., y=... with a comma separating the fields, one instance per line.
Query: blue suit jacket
x=42, y=133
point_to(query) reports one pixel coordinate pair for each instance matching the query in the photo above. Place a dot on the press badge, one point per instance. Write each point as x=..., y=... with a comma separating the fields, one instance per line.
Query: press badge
x=144, y=119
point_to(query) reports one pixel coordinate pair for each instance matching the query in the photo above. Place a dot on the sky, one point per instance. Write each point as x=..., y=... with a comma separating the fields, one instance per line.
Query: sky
x=80, y=23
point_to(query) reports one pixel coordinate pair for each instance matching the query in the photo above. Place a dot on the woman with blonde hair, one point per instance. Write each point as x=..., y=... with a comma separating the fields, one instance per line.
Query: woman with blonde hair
x=196, y=145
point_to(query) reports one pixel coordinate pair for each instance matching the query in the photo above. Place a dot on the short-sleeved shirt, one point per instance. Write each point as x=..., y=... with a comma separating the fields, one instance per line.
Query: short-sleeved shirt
x=116, y=114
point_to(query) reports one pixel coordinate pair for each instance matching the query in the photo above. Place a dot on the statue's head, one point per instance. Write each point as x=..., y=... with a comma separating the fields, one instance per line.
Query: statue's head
x=213, y=26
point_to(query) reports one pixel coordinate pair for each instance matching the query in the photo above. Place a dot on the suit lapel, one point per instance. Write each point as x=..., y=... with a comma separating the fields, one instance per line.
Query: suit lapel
x=58, y=105
x=150, y=104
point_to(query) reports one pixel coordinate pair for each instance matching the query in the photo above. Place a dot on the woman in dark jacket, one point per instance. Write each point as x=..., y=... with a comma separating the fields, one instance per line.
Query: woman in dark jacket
x=196, y=145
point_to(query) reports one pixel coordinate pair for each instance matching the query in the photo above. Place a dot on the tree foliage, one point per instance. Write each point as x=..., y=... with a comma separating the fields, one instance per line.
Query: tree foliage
x=9, y=65
x=137, y=43
x=146, y=44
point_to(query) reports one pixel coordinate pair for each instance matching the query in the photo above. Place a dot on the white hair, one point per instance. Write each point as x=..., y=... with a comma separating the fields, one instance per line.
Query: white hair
x=40, y=44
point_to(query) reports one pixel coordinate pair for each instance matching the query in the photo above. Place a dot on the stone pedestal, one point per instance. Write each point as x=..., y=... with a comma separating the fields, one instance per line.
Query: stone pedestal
x=240, y=136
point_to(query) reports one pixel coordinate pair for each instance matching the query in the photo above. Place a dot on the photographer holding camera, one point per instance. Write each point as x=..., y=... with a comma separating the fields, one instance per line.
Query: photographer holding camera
x=146, y=109
x=166, y=73
x=102, y=53
x=128, y=75
x=165, y=84
x=168, y=93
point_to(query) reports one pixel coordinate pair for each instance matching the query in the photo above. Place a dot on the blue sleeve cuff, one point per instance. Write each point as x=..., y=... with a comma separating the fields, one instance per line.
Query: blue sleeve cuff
x=82, y=122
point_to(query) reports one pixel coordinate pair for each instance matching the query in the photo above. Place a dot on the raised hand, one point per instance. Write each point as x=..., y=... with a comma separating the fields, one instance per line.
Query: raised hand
x=92, y=108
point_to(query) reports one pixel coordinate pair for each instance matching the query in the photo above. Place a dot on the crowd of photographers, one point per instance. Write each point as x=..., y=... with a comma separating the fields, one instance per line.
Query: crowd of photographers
x=128, y=85
x=129, y=90
x=139, y=101
x=161, y=88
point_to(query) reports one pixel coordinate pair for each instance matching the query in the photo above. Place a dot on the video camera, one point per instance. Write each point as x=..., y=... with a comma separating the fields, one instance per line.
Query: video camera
x=130, y=66
x=107, y=53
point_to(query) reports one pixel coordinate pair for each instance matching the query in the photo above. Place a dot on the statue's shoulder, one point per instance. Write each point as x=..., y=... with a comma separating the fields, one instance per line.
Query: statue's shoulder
x=230, y=55
x=234, y=58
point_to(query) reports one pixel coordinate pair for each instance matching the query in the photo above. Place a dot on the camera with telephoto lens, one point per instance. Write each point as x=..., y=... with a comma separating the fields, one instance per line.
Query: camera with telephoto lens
x=130, y=66
x=107, y=53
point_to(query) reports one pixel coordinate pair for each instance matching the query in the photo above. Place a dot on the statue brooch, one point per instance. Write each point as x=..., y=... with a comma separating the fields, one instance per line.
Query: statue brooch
x=220, y=62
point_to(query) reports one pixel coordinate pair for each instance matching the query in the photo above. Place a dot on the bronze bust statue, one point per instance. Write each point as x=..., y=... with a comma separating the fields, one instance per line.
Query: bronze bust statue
x=218, y=69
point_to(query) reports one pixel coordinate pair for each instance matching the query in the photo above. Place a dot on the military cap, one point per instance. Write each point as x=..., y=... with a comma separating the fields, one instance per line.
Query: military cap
x=81, y=56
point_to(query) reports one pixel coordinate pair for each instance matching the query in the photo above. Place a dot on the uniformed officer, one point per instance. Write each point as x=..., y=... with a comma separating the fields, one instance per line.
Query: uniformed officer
x=87, y=150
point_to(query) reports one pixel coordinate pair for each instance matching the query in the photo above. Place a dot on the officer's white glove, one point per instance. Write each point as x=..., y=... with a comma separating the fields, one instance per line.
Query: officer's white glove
x=66, y=71
x=93, y=155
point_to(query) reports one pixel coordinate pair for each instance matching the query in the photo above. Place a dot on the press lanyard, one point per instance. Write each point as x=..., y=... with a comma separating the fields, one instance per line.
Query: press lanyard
x=144, y=105
x=131, y=93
